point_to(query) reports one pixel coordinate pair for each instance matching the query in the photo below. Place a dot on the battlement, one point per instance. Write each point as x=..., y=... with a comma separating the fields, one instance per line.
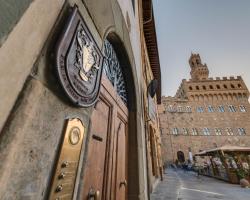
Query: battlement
x=224, y=78
x=218, y=85
x=172, y=99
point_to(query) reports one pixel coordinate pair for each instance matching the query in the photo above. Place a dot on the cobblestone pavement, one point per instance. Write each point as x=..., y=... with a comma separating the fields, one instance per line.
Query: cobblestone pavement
x=180, y=185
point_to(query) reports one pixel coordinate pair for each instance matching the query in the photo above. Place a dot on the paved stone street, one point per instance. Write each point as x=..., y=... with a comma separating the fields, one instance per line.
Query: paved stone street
x=180, y=185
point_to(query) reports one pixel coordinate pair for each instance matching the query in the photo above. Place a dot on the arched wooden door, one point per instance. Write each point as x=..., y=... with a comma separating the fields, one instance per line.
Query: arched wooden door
x=105, y=174
x=180, y=156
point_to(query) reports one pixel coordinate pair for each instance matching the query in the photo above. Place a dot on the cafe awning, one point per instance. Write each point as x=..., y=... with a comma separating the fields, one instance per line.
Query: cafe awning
x=226, y=148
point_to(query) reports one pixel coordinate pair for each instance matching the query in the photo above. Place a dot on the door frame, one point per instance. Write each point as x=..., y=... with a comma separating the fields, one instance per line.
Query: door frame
x=134, y=153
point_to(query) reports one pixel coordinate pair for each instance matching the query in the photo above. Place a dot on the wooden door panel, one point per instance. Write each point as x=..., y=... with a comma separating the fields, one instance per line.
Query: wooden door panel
x=106, y=164
x=95, y=165
x=121, y=166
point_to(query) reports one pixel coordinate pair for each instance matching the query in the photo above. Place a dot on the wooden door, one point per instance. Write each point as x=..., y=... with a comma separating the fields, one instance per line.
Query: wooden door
x=95, y=165
x=105, y=175
x=121, y=153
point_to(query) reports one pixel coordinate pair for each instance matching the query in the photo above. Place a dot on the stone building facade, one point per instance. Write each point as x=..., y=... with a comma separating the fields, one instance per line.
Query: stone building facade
x=205, y=113
x=57, y=139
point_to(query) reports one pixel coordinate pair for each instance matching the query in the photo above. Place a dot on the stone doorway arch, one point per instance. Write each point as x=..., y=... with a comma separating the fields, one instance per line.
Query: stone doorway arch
x=123, y=103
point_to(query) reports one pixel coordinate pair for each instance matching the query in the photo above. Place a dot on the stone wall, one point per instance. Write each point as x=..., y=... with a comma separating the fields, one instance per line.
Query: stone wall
x=34, y=107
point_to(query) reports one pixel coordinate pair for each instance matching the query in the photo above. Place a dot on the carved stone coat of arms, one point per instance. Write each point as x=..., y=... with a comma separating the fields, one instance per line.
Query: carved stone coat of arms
x=79, y=62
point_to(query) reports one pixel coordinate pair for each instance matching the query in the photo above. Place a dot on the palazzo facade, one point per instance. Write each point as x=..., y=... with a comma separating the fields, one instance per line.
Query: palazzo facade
x=80, y=86
x=205, y=113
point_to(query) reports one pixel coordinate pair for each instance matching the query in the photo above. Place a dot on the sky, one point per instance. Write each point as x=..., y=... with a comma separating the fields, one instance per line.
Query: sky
x=219, y=30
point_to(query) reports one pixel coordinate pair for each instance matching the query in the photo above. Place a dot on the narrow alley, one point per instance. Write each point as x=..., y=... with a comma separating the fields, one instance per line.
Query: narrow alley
x=180, y=185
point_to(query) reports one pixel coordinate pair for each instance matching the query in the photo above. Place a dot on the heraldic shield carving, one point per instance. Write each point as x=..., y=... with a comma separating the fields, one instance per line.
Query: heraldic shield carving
x=79, y=62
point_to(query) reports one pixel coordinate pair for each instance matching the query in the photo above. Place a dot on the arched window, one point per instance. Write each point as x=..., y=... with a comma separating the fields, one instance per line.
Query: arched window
x=211, y=87
x=200, y=109
x=179, y=108
x=190, y=88
x=225, y=86
x=229, y=131
x=113, y=71
x=210, y=108
x=242, y=108
x=218, y=87
x=231, y=108
x=221, y=108
x=217, y=131
x=194, y=131
x=188, y=109
x=206, y=131
x=241, y=131
x=185, y=131
x=175, y=131
x=232, y=86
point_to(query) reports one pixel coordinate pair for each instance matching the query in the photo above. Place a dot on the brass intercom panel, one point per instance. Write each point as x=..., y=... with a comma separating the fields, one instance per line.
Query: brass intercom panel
x=65, y=175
